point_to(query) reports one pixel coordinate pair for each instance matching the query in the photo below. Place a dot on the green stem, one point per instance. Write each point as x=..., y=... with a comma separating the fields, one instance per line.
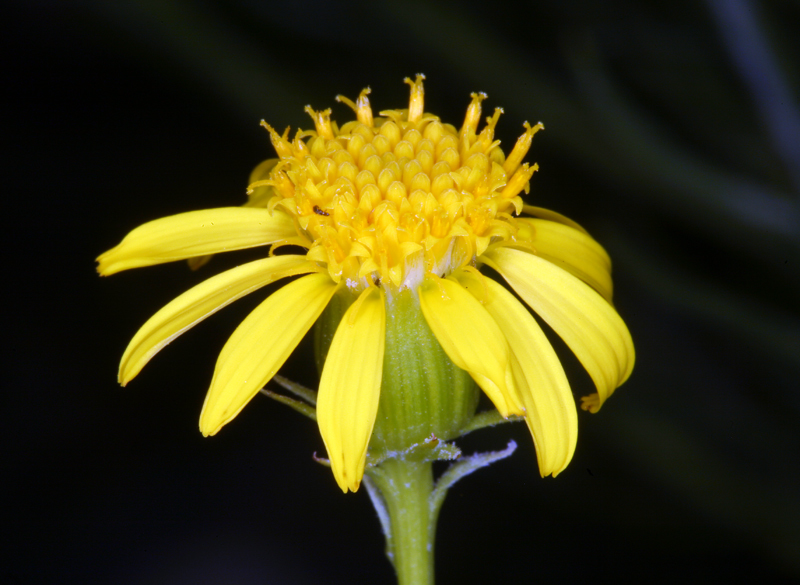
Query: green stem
x=405, y=489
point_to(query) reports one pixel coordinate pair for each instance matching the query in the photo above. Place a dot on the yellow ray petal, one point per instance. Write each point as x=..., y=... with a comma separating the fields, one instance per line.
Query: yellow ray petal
x=350, y=387
x=471, y=338
x=260, y=195
x=574, y=251
x=549, y=406
x=256, y=197
x=585, y=321
x=551, y=215
x=200, y=302
x=260, y=346
x=196, y=233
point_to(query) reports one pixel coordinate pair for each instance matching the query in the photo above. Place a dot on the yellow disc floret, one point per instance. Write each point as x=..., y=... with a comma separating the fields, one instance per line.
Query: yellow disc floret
x=389, y=199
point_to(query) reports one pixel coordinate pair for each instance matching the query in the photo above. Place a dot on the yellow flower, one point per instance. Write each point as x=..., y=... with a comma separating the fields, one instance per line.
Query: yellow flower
x=390, y=206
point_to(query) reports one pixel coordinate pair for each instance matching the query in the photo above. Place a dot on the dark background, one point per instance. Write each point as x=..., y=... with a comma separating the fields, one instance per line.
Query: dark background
x=672, y=134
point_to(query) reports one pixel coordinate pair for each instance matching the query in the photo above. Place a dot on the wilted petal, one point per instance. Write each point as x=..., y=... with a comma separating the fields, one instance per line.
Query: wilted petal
x=200, y=302
x=585, y=321
x=196, y=233
x=471, y=338
x=260, y=346
x=349, y=389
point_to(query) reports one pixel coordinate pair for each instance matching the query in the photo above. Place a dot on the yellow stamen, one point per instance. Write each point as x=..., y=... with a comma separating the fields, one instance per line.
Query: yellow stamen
x=473, y=114
x=361, y=107
x=487, y=134
x=322, y=121
x=391, y=201
x=280, y=143
x=416, y=104
x=519, y=181
x=521, y=147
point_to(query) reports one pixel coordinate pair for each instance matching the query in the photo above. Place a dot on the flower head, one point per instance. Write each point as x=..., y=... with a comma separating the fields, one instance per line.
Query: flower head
x=400, y=205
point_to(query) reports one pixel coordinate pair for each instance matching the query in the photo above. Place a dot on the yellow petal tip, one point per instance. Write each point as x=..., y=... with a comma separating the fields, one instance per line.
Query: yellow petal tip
x=591, y=402
x=206, y=432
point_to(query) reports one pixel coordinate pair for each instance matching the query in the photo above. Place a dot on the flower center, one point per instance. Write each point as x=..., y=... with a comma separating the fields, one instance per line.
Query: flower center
x=387, y=200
